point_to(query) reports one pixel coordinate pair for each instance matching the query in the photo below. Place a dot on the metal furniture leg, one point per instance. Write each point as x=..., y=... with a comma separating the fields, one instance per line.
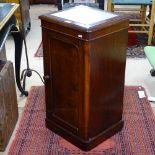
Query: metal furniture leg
x=18, y=40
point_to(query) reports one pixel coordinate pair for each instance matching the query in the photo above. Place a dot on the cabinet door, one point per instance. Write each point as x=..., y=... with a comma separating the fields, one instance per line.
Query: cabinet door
x=63, y=61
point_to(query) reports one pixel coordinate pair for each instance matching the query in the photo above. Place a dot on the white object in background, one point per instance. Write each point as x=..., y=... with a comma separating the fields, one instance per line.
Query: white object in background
x=153, y=105
x=141, y=94
x=84, y=1
x=151, y=99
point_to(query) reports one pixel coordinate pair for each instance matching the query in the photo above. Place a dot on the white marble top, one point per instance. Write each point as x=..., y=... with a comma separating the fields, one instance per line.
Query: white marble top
x=85, y=16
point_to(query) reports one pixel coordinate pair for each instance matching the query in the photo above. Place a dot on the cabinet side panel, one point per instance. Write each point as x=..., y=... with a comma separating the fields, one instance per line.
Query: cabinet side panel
x=107, y=59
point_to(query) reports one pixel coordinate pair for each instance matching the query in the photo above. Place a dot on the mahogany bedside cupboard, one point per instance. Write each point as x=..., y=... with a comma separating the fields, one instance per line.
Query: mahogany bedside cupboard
x=84, y=52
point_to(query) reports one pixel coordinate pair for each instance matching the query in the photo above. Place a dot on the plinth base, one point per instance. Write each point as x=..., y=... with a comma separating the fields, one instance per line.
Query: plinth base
x=80, y=143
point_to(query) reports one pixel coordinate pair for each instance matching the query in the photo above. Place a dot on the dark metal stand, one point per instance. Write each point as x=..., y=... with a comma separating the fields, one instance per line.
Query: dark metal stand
x=101, y=4
x=10, y=26
x=26, y=72
x=18, y=48
x=60, y=5
x=19, y=36
x=152, y=72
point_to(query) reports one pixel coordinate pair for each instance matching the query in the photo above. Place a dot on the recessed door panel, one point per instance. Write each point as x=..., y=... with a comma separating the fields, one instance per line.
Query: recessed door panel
x=65, y=82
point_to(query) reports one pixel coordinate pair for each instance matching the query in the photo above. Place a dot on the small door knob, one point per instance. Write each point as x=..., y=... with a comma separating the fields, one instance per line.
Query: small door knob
x=46, y=77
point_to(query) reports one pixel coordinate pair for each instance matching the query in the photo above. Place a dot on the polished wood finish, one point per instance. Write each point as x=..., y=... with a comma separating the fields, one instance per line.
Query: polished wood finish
x=84, y=78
